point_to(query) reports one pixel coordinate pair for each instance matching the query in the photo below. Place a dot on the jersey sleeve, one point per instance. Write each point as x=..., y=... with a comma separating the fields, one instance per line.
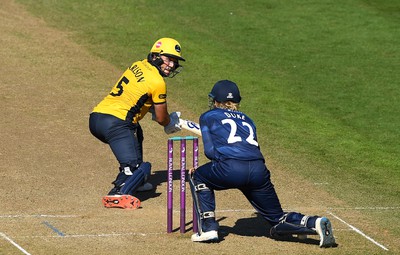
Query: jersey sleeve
x=207, y=137
x=159, y=92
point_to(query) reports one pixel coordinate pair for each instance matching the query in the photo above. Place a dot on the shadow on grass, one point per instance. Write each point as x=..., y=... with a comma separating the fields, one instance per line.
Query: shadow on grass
x=156, y=179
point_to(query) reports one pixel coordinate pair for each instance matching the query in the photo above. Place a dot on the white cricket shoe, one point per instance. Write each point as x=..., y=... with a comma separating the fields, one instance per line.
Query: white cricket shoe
x=324, y=229
x=145, y=187
x=210, y=236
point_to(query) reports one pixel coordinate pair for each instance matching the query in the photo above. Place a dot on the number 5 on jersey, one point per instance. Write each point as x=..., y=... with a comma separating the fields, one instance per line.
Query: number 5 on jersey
x=120, y=87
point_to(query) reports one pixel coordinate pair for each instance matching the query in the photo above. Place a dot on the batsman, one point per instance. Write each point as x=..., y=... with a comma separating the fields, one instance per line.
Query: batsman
x=236, y=162
x=115, y=120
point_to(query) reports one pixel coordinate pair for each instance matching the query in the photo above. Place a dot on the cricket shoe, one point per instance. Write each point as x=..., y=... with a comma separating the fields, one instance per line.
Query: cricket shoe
x=121, y=201
x=324, y=229
x=206, y=237
x=145, y=187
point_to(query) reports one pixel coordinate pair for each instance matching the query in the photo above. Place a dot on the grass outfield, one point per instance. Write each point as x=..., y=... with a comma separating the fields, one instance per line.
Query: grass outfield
x=319, y=78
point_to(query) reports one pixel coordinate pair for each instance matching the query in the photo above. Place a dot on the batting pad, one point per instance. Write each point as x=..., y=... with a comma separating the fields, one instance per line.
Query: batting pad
x=138, y=177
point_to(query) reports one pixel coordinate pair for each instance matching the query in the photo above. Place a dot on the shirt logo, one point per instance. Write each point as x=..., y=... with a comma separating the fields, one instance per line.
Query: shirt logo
x=162, y=96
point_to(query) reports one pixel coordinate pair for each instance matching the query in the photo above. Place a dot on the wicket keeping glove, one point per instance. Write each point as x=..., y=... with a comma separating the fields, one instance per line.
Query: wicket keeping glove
x=173, y=125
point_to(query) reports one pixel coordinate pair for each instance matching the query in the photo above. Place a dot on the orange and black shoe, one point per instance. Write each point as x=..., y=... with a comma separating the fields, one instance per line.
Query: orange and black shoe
x=121, y=201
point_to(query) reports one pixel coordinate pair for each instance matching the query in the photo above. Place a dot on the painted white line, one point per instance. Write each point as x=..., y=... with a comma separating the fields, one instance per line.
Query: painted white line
x=360, y=232
x=366, y=208
x=38, y=216
x=378, y=208
x=115, y=234
x=236, y=210
x=94, y=235
x=343, y=229
x=321, y=183
x=14, y=243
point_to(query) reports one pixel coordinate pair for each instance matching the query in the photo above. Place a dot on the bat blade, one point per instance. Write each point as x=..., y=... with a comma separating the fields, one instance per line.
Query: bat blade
x=190, y=126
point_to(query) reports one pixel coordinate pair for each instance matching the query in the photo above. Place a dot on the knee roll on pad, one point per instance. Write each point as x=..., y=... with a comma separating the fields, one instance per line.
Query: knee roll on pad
x=138, y=177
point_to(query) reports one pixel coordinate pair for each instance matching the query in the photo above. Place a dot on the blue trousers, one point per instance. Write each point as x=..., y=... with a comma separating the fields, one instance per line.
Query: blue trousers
x=125, y=138
x=252, y=178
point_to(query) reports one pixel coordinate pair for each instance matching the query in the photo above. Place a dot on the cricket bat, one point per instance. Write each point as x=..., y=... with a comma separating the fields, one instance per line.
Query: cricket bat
x=190, y=126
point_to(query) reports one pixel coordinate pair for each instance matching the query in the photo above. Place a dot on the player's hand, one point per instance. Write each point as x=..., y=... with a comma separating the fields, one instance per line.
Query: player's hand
x=192, y=170
x=173, y=125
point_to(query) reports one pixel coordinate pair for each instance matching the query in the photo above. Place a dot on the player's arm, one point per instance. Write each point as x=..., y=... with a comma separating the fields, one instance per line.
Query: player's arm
x=207, y=138
x=161, y=114
x=169, y=121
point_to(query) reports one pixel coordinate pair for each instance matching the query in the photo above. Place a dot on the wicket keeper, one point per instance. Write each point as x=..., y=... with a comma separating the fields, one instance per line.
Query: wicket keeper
x=236, y=162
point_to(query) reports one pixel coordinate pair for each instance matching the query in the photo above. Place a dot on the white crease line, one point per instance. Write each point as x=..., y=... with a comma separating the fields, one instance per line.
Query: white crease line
x=122, y=234
x=377, y=208
x=14, y=243
x=365, y=208
x=38, y=216
x=223, y=210
x=236, y=210
x=95, y=235
x=360, y=232
x=114, y=234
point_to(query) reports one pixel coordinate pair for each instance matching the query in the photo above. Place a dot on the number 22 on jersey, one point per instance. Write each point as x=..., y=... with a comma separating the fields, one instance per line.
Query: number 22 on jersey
x=234, y=137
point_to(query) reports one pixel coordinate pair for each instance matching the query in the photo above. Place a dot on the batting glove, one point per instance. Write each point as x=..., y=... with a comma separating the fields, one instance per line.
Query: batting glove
x=173, y=125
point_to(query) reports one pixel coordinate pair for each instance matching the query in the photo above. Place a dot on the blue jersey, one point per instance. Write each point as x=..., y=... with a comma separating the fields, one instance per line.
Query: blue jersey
x=229, y=135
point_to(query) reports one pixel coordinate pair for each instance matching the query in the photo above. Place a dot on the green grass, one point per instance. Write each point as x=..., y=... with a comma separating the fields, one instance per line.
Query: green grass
x=320, y=78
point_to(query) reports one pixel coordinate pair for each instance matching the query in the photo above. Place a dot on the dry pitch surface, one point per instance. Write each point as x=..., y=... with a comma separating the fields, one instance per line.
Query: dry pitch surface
x=54, y=173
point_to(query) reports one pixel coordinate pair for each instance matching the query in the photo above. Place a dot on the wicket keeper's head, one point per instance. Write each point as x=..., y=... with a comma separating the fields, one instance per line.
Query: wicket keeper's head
x=224, y=94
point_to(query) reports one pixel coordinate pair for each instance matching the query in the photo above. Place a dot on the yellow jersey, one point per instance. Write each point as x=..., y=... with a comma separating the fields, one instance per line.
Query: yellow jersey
x=139, y=87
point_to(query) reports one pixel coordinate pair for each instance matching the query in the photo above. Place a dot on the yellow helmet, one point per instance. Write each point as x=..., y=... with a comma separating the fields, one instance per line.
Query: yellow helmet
x=168, y=47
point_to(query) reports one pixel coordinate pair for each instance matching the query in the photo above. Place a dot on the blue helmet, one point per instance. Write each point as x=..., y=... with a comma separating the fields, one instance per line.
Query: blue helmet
x=225, y=90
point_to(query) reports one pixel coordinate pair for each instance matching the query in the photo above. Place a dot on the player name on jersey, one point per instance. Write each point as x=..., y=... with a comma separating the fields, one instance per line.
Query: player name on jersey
x=234, y=115
x=137, y=72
